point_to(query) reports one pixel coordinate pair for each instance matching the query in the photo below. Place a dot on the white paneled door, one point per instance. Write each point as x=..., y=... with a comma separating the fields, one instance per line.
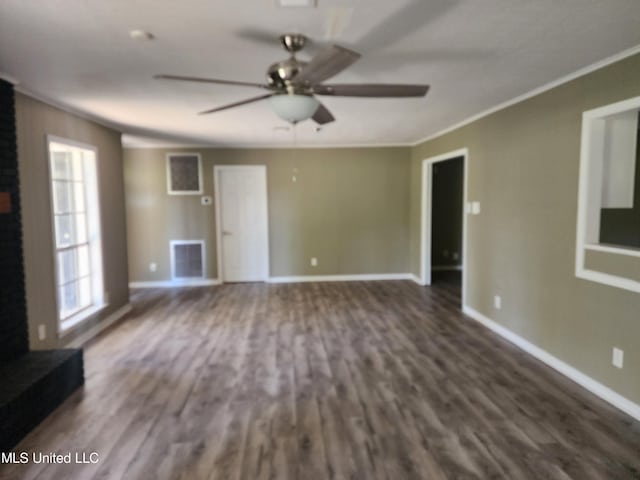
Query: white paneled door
x=242, y=223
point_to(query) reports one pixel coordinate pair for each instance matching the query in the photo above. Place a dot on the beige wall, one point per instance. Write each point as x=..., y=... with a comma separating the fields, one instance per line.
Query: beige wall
x=349, y=208
x=36, y=120
x=523, y=168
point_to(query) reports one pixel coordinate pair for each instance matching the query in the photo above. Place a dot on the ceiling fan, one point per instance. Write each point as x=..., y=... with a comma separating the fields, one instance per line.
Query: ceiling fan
x=293, y=84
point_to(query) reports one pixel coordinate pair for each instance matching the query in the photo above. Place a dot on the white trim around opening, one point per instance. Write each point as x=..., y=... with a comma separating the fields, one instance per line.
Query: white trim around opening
x=425, y=215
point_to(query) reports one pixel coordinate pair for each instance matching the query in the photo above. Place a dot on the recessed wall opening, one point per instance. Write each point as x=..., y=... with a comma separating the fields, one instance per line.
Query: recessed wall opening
x=608, y=226
x=620, y=209
x=443, y=219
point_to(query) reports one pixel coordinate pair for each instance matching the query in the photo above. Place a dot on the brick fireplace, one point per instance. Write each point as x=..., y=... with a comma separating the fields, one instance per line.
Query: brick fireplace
x=32, y=384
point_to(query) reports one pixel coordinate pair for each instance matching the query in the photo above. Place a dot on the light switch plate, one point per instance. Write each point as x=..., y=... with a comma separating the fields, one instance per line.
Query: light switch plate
x=42, y=332
x=618, y=357
x=475, y=208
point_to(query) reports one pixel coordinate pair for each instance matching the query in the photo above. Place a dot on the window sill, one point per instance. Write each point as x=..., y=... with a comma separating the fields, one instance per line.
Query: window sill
x=629, y=251
x=72, y=323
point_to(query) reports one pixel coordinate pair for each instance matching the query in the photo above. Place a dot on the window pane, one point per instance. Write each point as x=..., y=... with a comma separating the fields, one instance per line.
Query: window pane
x=84, y=261
x=67, y=266
x=64, y=230
x=84, y=288
x=78, y=197
x=61, y=165
x=69, y=299
x=76, y=166
x=80, y=227
x=62, y=197
x=71, y=229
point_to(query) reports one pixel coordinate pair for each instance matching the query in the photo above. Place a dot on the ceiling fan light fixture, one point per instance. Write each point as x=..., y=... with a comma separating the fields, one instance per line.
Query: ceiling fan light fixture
x=294, y=108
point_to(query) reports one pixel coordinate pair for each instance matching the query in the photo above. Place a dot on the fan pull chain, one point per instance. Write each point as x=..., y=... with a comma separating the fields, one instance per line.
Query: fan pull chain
x=294, y=177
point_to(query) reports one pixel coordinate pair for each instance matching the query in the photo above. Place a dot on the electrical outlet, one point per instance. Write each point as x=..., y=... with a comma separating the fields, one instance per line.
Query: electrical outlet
x=618, y=357
x=42, y=332
x=314, y=262
x=497, y=302
x=153, y=267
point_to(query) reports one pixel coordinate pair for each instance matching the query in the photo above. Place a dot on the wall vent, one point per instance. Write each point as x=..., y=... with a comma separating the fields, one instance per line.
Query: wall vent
x=184, y=174
x=187, y=259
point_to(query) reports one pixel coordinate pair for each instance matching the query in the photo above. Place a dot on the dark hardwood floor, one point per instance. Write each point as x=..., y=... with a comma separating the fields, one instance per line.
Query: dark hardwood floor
x=372, y=380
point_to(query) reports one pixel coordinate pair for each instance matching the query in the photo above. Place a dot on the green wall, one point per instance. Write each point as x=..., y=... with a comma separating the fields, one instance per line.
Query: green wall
x=358, y=211
x=349, y=208
x=35, y=120
x=523, y=167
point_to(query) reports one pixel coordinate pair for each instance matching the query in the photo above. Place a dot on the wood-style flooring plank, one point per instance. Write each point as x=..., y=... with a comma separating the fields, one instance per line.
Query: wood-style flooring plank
x=362, y=380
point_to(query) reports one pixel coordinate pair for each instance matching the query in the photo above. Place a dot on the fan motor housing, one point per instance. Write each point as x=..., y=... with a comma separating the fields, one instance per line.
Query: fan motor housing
x=280, y=75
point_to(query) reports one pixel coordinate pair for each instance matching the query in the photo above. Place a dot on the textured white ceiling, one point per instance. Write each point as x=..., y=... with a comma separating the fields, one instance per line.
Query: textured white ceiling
x=474, y=53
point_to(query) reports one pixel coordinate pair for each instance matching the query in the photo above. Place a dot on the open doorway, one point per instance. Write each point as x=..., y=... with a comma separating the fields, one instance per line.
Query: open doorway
x=443, y=236
x=446, y=221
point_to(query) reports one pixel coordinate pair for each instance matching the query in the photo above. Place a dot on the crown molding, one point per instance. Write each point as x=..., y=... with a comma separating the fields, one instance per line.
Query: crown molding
x=532, y=93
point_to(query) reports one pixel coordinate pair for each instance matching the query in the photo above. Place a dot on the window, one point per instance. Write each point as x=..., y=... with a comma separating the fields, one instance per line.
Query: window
x=184, y=174
x=76, y=225
x=608, y=230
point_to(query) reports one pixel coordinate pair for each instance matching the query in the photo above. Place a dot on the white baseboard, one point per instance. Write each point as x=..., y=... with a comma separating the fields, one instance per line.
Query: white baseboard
x=99, y=327
x=197, y=282
x=417, y=279
x=342, y=278
x=446, y=268
x=567, y=370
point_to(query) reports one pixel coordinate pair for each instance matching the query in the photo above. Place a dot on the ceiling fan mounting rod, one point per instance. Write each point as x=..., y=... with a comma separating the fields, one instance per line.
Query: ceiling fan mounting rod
x=293, y=42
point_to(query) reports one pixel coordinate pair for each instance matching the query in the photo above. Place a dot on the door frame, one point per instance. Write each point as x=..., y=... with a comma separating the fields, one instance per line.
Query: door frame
x=426, y=215
x=217, y=169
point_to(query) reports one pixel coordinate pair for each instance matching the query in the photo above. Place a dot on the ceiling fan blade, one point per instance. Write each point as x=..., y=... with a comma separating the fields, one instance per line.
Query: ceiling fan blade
x=371, y=90
x=259, y=35
x=406, y=20
x=237, y=104
x=323, y=115
x=210, y=80
x=328, y=62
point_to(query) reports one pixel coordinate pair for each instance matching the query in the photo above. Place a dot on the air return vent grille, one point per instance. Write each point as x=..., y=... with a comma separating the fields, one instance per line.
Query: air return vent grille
x=187, y=259
x=184, y=174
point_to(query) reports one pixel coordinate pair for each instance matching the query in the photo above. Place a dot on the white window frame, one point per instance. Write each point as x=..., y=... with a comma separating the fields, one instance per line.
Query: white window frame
x=590, y=196
x=94, y=239
x=170, y=191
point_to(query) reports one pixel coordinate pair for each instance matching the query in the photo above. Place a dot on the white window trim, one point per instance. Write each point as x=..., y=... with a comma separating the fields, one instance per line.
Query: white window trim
x=99, y=301
x=588, y=222
x=202, y=244
x=170, y=191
